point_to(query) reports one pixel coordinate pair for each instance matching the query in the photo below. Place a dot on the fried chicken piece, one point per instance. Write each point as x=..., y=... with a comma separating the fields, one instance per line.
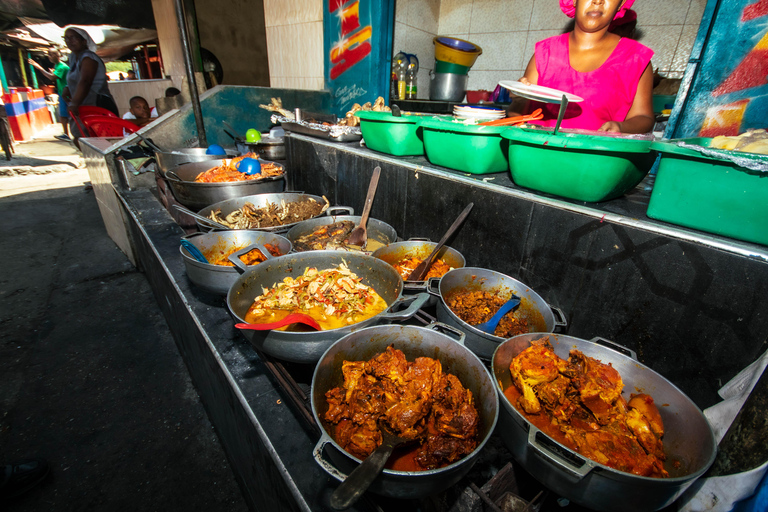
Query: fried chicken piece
x=453, y=410
x=438, y=451
x=359, y=440
x=599, y=384
x=533, y=366
x=390, y=364
x=552, y=396
x=414, y=404
x=644, y=420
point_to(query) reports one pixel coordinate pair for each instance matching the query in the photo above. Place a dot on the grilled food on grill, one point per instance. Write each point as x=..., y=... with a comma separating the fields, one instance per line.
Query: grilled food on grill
x=416, y=400
x=578, y=402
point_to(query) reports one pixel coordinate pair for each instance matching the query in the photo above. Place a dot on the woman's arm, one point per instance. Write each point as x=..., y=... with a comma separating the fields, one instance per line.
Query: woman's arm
x=47, y=74
x=530, y=77
x=640, y=118
x=88, y=68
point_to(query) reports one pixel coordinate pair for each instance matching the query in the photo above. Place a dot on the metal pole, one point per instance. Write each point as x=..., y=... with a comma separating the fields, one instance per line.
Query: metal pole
x=191, y=79
x=32, y=72
x=23, y=69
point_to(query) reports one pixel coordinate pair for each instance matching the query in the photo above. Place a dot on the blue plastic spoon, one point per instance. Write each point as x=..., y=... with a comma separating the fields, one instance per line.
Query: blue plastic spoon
x=194, y=251
x=490, y=325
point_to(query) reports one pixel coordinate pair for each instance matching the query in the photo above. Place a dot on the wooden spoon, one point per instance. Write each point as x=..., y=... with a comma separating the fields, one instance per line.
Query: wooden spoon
x=421, y=270
x=293, y=318
x=359, y=235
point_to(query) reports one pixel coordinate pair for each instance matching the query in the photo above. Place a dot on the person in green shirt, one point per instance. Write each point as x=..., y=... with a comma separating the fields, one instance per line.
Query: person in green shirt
x=59, y=75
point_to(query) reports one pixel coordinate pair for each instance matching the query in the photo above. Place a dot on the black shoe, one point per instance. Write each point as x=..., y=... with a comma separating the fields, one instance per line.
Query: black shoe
x=63, y=137
x=18, y=478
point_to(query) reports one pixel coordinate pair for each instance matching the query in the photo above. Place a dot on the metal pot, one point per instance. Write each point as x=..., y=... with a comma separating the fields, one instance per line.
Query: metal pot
x=419, y=248
x=377, y=230
x=688, y=437
x=307, y=347
x=170, y=159
x=199, y=195
x=533, y=308
x=415, y=342
x=260, y=201
x=447, y=86
x=269, y=148
x=216, y=278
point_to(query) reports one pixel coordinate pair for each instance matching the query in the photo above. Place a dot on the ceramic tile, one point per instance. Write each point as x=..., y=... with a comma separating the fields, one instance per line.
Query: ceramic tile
x=401, y=10
x=278, y=82
x=418, y=42
x=399, y=38
x=663, y=41
x=695, y=12
x=546, y=15
x=534, y=36
x=500, y=16
x=274, y=46
x=488, y=80
x=287, y=12
x=424, y=15
x=422, y=83
x=503, y=50
x=661, y=12
x=310, y=40
x=684, y=47
x=455, y=16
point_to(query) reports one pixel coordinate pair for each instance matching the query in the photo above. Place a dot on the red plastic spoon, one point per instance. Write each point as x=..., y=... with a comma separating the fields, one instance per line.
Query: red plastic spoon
x=293, y=318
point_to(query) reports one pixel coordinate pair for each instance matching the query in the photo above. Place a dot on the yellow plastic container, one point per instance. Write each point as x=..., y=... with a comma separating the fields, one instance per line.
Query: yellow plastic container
x=447, y=54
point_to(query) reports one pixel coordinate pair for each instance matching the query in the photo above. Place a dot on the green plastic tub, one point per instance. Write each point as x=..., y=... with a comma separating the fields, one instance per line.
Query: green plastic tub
x=710, y=194
x=590, y=168
x=398, y=136
x=469, y=148
x=450, y=67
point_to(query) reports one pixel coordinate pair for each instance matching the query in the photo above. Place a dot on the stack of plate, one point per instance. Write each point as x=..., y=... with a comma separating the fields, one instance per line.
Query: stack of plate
x=478, y=113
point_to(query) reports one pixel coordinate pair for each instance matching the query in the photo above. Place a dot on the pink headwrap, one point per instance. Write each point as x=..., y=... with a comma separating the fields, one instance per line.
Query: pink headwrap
x=569, y=9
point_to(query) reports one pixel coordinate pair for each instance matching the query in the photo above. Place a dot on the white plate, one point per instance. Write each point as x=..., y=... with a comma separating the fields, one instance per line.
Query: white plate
x=479, y=116
x=458, y=108
x=538, y=92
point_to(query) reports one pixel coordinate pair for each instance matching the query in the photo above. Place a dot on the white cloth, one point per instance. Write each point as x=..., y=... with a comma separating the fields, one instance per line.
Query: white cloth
x=152, y=113
x=85, y=35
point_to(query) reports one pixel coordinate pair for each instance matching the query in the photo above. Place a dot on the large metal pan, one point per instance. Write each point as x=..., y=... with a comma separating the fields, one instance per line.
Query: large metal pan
x=532, y=307
x=219, y=279
x=170, y=159
x=199, y=195
x=377, y=230
x=307, y=347
x=688, y=438
x=259, y=201
x=271, y=148
x=415, y=342
x=418, y=248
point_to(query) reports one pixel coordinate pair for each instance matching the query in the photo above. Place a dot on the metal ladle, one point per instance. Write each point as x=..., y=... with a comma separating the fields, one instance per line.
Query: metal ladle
x=196, y=216
x=561, y=114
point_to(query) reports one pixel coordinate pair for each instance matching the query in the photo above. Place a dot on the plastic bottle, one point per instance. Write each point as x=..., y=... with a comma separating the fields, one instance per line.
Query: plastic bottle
x=411, y=87
x=399, y=65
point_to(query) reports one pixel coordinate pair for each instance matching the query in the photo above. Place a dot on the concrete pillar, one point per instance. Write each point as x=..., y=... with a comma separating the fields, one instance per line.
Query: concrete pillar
x=169, y=40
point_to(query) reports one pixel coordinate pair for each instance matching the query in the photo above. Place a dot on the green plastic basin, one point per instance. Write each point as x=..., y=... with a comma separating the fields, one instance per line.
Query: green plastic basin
x=450, y=67
x=398, y=136
x=469, y=148
x=710, y=194
x=590, y=168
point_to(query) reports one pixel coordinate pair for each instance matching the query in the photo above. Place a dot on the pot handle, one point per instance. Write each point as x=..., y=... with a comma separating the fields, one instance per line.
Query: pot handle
x=554, y=453
x=193, y=235
x=172, y=175
x=419, y=239
x=449, y=331
x=614, y=346
x=416, y=303
x=239, y=265
x=332, y=211
x=329, y=468
x=433, y=286
x=560, y=320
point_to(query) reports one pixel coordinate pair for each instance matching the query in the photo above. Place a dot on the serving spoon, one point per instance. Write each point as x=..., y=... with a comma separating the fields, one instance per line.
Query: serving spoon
x=206, y=220
x=490, y=325
x=359, y=235
x=421, y=269
x=353, y=487
x=293, y=318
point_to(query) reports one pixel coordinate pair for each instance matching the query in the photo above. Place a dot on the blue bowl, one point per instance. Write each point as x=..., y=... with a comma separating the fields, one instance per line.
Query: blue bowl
x=457, y=44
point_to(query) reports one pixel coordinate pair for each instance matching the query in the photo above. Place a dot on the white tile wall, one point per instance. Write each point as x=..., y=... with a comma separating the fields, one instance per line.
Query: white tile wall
x=507, y=30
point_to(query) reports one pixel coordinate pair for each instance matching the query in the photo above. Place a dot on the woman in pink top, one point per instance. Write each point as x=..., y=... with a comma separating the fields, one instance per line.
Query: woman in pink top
x=612, y=74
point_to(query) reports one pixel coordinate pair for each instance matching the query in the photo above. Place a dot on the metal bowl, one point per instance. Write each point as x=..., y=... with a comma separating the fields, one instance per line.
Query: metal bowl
x=307, y=347
x=199, y=195
x=270, y=148
x=415, y=342
x=377, y=230
x=216, y=278
x=259, y=201
x=688, y=438
x=539, y=314
x=170, y=159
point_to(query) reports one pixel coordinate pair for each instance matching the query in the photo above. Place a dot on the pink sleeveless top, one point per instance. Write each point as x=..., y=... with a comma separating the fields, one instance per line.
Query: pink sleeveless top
x=608, y=91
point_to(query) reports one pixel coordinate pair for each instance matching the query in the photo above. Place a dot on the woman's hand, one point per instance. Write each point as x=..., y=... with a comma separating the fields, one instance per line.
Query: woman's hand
x=74, y=108
x=523, y=80
x=610, y=126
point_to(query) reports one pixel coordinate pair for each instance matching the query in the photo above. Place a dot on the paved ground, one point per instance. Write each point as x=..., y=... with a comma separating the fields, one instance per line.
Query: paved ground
x=90, y=378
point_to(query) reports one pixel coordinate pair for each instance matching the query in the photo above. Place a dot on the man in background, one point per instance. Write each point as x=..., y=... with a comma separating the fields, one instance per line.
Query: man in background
x=59, y=75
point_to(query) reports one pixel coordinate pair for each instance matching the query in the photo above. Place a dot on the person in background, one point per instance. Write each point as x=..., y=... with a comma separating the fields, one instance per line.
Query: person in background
x=131, y=75
x=612, y=74
x=87, y=78
x=140, y=114
x=59, y=75
x=121, y=76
